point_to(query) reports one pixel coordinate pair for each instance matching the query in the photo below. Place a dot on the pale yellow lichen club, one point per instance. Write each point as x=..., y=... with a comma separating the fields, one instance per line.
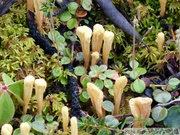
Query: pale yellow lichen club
x=94, y=58
x=119, y=86
x=40, y=87
x=160, y=40
x=25, y=128
x=162, y=7
x=74, y=126
x=108, y=40
x=84, y=33
x=6, y=129
x=97, y=38
x=65, y=118
x=28, y=87
x=140, y=109
x=96, y=96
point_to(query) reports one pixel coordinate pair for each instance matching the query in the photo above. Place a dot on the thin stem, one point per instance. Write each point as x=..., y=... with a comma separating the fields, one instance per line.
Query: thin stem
x=123, y=115
x=133, y=52
x=51, y=21
x=171, y=102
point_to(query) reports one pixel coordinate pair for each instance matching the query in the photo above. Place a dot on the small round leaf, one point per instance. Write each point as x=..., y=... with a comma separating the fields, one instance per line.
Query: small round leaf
x=109, y=73
x=64, y=80
x=136, y=64
x=108, y=83
x=84, y=80
x=138, y=86
x=174, y=81
x=84, y=97
x=65, y=16
x=108, y=106
x=140, y=71
x=149, y=122
x=102, y=76
x=71, y=23
x=57, y=72
x=99, y=84
x=38, y=126
x=111, y=121
x=72, y=7
x=65, y=60
x=159, y=113
x=86, y=4
x=161, y=96
x=79, y=70
x=111, y=91
x=102, y=68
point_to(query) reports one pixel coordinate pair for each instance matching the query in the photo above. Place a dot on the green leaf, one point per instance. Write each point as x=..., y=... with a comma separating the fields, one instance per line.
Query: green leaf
x=136, y=64
x=84, y=80
x=173, y=81
x=133, y=74
x=129, y=120
x=108, y=83
x=140, y=71
x=102, y=68
x=102, y=76
x=55, y=35
x=7, y=109
x=17, y=90
x=17, y=131
x=6, y=79
x=71, y=36
x=39, y=117
x=67, y=52
x=49, y=118
x=93, y=73
x=109, y=73
x=99, y=84
x=84, y=97
x=161, y=96
x=111, y=91
x=138, y=86
x=57, y=72
x=108, y=106
x=38, y=126
x=79, y=70
x=111, y=121
x=149, y=122
x=26, y=118
x=71, y=23
x=65, y=60
x=64, y=80
x=94, y=68
x=65, y=16
x=159, y=113
x=173, y=118
x=86, y=4
x=72, y=7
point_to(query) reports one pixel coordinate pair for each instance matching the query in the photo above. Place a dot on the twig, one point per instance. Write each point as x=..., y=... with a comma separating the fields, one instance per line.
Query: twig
x=171, y=102
x=122, y=115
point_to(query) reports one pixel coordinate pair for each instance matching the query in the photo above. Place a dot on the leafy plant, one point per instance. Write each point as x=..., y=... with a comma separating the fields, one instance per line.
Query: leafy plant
x=67, y=16
x=103, y=126
x=53, y=104
x=159, y=113
x=99, y=75
x=138, y=85
x=7, y=108
x=39, y=124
